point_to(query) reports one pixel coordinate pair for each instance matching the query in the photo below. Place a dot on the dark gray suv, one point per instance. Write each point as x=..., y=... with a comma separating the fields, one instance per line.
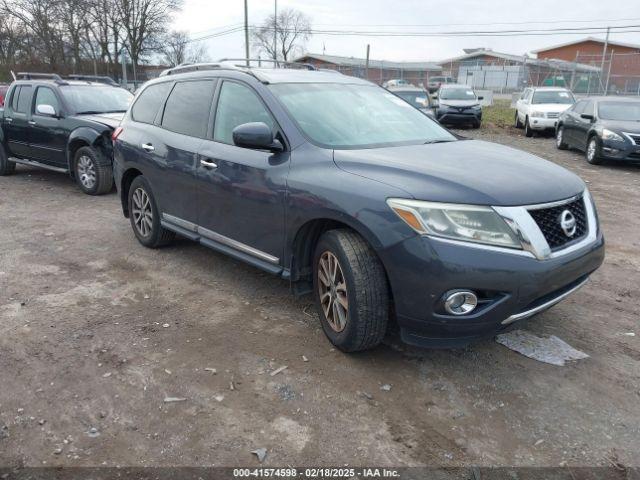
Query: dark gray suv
x=350, y=193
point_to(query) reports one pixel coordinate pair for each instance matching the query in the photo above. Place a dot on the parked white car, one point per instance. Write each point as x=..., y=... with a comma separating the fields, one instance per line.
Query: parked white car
x=539, y=108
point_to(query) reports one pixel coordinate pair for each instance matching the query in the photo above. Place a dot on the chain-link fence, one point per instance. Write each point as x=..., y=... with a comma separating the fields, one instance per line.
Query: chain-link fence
x=618, y=74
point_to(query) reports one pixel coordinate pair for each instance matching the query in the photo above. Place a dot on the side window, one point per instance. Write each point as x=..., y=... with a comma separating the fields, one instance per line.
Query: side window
x=238, y=104
x=45, y=96
x=14, y=98
x=24, y=98
x=149, y=102
x=588, y=108
x=188, y=107
x=579, y=108
x=528, y=95
x=524, y=94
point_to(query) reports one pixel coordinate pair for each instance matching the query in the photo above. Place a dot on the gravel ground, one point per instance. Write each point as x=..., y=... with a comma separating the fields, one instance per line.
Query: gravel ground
x=97, y=331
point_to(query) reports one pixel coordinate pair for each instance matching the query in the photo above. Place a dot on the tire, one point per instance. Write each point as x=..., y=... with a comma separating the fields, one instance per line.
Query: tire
x=560, y=143
x=149, y=233
x=518, y=123
x=365, y=291
x=92, y=176
x=527, y=129
x=592, y=152
x=7, y=167
x=476, y=125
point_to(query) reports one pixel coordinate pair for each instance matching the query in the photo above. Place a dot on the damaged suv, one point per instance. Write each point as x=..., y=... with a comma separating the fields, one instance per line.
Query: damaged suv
x=350, y=193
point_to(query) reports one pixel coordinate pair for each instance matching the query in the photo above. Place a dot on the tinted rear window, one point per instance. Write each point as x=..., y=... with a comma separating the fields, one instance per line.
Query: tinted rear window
x=188, y=107
x=149, y=102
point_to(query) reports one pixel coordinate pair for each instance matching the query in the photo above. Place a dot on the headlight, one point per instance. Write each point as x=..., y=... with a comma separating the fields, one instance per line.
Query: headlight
x=537, y=114
x=477, y=107
x=609, y=135
x=471, y=223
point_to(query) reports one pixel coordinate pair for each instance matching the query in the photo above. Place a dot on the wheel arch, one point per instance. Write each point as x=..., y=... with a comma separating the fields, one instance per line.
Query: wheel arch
x=125, y=184
x=87, y=137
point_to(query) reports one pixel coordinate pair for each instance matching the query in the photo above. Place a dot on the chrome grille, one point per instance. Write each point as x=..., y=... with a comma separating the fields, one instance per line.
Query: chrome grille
x=635, y=137
x=553, y=114
x=548, y=220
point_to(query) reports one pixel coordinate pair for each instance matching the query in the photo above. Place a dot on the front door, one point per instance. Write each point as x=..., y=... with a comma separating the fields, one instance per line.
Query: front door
x=583, y=125
x=16, y=121
x=241, y=191
x=47, y=136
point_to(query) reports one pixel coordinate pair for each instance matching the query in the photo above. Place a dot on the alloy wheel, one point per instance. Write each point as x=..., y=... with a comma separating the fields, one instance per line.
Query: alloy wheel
x=86, y=172
x=559, y=137
x=142, y=212
x=332, y=288
x=591, y=149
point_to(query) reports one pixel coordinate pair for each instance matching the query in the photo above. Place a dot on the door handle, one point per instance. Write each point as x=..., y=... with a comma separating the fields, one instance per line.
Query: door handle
x=31, y=122
x=147, y=147
x=207, y=163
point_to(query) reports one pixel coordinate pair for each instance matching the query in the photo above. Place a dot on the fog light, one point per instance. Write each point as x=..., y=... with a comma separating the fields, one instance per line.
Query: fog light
x=461, y=302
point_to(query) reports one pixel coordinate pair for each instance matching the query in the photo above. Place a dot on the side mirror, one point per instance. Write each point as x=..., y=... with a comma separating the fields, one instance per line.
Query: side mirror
x=435, y=95
x=480, y=98
x=256, y=135
x=47, y=110
x=586, y=116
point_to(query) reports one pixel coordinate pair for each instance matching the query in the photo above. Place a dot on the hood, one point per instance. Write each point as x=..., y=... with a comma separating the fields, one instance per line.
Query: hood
x=109, y=119
x=464, y=171
x=620, y=126
x=458, y=103
x=550, y=107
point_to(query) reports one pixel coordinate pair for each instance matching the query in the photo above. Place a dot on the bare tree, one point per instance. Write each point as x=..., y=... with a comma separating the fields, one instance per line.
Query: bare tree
x=293, y=30
x=178, y=48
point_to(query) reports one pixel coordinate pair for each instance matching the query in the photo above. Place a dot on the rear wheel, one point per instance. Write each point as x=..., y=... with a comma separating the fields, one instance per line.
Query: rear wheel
x=144, y=216
x=592, y=152
x=351, y=290
x=7, y=167
x=92, y=175
x=518, y=123
x=560, y=143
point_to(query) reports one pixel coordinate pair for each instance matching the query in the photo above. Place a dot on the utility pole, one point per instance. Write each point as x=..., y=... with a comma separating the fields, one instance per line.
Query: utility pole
x=246, y=31
x=606, y=85
x=275, y=30
x=604, y=54
x=367, y=64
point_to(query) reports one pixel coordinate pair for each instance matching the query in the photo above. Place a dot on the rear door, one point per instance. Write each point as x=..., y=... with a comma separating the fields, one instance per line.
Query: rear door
x=47, y=137
x=172, y=148
x=16, y=118
x=241, y=191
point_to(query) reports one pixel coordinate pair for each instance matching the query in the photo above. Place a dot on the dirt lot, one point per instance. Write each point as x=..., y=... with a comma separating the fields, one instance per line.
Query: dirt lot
x=96, y=331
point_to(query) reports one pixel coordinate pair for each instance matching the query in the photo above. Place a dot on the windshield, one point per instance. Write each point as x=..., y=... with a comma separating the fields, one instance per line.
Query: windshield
x=96, y=99
x=417, y=99
x=351, y=116
x=619, y=111
x=553, y=96
x=457, y=94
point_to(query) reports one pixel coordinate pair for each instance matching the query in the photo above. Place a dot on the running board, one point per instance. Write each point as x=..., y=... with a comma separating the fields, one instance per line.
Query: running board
x=33, y=163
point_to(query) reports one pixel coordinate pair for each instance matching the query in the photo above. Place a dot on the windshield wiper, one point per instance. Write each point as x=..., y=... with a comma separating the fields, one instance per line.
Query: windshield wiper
x=429, y=142
x=88, y=112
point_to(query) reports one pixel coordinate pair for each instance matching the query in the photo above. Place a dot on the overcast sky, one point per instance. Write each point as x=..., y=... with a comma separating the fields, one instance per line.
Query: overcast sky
x=203, y=17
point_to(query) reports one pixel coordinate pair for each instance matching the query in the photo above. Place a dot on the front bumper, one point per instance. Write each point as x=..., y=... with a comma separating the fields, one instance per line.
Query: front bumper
x=617, y=150
x=421, y=269
x=453, y=117
x=539, y=123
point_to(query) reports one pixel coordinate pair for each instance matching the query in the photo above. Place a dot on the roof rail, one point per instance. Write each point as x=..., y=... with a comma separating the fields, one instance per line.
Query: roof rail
x=36, y=75
x=277, y=63
x=192, y=67
x=94, y=78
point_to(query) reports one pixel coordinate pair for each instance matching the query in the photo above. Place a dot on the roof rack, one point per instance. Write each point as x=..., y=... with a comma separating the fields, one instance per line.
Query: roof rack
x=36, y=75
x=94, y=78
x=230, y=64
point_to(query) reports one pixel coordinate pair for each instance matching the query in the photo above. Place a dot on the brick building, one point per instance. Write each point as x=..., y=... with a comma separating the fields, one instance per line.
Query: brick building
x=379, y=71
x=621, y=69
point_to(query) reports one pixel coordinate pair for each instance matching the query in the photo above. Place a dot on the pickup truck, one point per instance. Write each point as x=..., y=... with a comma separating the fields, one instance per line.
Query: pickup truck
x=62, y=125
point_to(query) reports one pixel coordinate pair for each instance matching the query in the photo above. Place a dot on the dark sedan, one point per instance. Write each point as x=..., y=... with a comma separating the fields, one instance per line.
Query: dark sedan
x=605, y=128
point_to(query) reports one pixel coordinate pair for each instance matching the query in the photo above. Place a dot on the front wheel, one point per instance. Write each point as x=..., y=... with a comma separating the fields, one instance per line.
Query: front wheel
x=527, y=128
x=145, y=217
x=593, y=151
x=92, y=175
x=7, y=167
x=351, y=291
x=560, y=143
